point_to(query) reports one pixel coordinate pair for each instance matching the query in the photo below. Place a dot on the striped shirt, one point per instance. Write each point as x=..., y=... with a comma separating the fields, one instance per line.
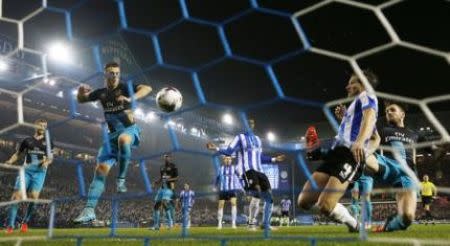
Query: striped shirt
x=285, y=204
x=249, y=152
x=228, y=178
x=351, y=122
x=187, y=198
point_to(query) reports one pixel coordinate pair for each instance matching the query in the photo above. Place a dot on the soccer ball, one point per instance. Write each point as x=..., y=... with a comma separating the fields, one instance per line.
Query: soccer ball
x=169, y=99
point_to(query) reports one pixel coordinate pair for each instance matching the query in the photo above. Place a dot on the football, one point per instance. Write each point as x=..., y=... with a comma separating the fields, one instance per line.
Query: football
x=169, y=99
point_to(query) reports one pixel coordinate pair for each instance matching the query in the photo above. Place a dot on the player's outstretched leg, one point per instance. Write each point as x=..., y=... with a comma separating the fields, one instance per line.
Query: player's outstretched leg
x=13, y=208
x=124, y=161
x=95, y=191
x=30, y=209
x=12, y=214
x=329, y=206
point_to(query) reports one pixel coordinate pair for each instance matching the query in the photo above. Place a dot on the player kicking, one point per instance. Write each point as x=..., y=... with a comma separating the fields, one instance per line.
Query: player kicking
x=187, y=200
x=228, y=182
x=163, y=199
x=123, y=133
x=248, y=147
x=361, y=188
x=389, y=171
x=34, y=149
x=344, y=163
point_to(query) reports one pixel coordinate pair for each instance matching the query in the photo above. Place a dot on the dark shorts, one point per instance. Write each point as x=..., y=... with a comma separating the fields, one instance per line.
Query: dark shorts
x=426, y=200
x=284, y=213
x=253, y=178
x=227, y=195
x=339, y=163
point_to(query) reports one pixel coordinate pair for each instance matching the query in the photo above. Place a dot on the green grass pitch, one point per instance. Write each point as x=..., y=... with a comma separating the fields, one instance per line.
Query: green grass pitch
x=324, y=235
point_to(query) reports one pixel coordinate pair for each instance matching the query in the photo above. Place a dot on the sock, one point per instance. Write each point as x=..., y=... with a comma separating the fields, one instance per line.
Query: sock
x=30, y=209
x=12, y=214
x=254, y=205
x=219, y=216
x=95, y=190
x=267, y=213
x=354, y=208
x=233, y=215
x=268, y=205
x=255, y=210
x=124, y=160
x=395, y=224
x=172, y=210
x=369, y=209
x=428, y=215
x=156, y=215
x=341, y=214
x=169, y=217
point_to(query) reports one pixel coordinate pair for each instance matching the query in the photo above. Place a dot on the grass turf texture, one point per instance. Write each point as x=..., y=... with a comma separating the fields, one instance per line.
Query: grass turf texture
x=324, y=235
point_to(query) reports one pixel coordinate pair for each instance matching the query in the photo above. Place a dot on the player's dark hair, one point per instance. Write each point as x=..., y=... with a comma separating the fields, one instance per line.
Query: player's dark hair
x=402, y=106
x=111, y=64
x=40, y=121
x=371, y=77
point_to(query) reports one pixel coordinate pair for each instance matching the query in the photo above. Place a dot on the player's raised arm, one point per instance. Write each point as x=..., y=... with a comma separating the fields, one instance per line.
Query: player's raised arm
x=18, y=155
x=14, y=158
x=268, y=159
x=232, y=147
x=142, y=91
x=84, y=94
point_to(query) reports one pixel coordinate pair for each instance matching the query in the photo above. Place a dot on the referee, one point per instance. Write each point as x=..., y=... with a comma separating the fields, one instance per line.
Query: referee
x=427, y=192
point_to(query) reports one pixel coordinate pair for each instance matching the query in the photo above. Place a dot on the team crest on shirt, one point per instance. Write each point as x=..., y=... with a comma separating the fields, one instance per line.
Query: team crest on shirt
x=102, y=96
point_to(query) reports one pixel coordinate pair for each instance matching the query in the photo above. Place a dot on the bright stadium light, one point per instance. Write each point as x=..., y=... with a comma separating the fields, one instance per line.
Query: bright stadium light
x=3, y=66
x=194, y=131
x=151, y=116
x=271, y=136
x=139, y=113
x=60, y=52
x=227, y=119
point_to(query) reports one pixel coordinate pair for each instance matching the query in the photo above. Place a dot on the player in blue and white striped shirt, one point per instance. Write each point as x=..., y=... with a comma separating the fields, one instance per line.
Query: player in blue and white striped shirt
x=248, y=148
x=344, y=163
x=228, y=182
x=187, y=200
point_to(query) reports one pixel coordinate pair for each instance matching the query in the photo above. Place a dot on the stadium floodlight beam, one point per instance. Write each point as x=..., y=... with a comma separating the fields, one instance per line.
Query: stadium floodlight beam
x=3, y=66
x=227, y=119
x=271, y=136
x=60, y=52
